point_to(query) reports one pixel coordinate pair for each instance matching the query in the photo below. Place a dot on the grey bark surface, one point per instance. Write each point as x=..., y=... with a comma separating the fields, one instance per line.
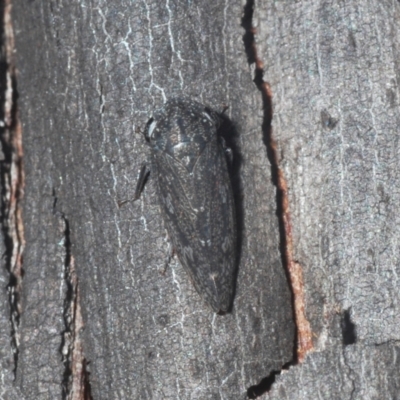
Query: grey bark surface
x=89, y=76
x=333, y=68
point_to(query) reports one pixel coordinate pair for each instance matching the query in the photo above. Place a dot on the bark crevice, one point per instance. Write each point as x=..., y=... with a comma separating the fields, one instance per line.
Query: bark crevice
x=11, y=177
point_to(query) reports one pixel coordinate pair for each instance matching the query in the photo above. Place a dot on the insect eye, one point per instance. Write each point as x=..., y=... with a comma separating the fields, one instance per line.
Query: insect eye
x=210, y=115
x=149, y=129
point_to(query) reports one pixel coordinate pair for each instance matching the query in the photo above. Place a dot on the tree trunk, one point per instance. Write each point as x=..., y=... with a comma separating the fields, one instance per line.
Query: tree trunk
x=89, y=310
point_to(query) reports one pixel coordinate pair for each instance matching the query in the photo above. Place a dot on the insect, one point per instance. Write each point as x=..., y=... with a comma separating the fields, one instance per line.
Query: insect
x=195, y=193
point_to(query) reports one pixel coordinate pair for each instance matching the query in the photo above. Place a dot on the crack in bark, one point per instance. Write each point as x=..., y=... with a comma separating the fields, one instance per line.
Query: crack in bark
x=75, y=384
x=11, y=176
x=266, y=383
x=70, y=305
x=303, y=341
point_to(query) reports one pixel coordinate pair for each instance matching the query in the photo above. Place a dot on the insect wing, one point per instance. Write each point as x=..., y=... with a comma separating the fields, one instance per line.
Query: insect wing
x=199, y=212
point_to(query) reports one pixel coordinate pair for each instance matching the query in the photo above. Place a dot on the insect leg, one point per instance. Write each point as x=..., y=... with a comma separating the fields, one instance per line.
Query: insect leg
x=143, y=175
x=227, y=150
x=171, y=253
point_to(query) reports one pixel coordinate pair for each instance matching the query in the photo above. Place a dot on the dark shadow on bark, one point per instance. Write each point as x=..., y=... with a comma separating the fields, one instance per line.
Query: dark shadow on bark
x=87, y=394
x=349, y=332
x=68, y=301
x=264, y=386
x=229, y=133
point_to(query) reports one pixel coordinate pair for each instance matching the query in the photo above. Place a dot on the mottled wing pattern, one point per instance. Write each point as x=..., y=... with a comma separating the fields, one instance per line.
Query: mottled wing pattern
x=199, y=213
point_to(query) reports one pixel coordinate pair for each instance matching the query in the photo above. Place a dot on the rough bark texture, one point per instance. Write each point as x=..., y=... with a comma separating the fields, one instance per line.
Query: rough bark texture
x=333, y=69
x=313, y=118
x=89, y=76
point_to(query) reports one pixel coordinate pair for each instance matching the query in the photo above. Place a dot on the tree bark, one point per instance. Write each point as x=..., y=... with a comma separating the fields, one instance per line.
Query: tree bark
x=333, y=69
x=313, y=114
